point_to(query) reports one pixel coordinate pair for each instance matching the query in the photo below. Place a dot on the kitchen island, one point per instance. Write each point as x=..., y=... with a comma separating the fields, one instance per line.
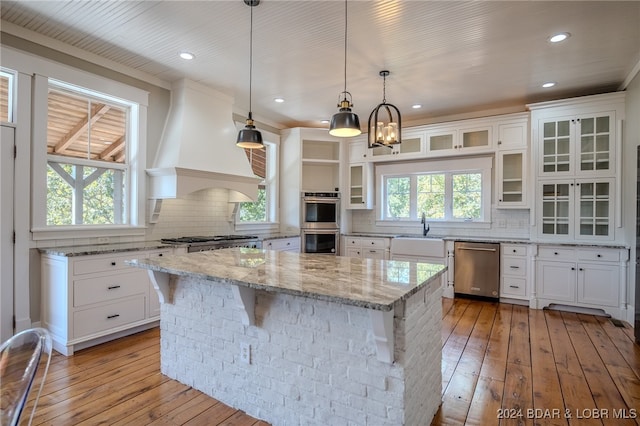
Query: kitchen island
x=295, y=338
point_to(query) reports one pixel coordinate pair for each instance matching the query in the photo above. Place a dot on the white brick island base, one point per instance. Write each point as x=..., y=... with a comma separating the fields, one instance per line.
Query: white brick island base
x=312, y=362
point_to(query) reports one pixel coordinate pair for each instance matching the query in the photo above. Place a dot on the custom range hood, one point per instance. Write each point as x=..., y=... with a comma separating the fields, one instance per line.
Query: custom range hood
x=198, y=149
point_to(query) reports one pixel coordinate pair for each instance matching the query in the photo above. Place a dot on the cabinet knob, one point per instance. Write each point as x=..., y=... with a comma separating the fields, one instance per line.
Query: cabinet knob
x=599, y=255
x=500, y=200
x=159, y=254
x=372, y=242
x=514, y=250
x=573, y=269
x=580, y=269
x=113, y=263
x=555, y=253
x=499, y=142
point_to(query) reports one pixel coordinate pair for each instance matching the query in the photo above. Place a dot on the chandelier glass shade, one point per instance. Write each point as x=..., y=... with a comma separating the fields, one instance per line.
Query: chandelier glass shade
x=385, y=121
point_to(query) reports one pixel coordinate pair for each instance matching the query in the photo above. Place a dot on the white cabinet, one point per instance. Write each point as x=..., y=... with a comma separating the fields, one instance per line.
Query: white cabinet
x=282, y=244
x=513, y=134
x=366, y=247
x=580, y=209
x=309, y=161
x=514, y=277
x=459, y=138
x=587, y=277
x=358, y=150
x=412, y=146
x=90, y=299
x=511, y=179
x=360, y=186
x=577, y=153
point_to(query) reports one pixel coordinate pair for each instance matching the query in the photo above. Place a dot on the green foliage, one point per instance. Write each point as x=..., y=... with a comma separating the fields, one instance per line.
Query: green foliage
x=467, y=196
x=98, y=207
x=398, y=197
x=256, y=211
x=431, y=195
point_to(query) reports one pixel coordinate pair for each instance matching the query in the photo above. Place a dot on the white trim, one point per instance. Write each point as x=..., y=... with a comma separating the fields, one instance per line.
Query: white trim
x=86, y=231
x=634, y=71
x=42, y=40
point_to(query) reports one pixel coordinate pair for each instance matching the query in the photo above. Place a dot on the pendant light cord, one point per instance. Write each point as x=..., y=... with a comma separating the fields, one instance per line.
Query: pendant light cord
x=345, y=47
x=250, y=59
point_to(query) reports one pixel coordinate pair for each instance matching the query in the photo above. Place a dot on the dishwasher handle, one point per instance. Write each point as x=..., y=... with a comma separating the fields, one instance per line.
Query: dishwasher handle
x=476, y=249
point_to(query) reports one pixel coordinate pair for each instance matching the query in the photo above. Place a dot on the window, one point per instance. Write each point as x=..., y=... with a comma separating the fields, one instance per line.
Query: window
x=6, y=96
x=87, y=164
x=444, y=190
x=263, y=164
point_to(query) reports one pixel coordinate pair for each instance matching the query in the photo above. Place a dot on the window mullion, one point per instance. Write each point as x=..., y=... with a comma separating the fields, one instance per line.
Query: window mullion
x=413, y=198
x=448, y=196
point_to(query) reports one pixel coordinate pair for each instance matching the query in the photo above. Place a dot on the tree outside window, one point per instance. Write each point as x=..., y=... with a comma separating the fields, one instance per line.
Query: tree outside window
x=87, y=163
x=431, y=195
x=467, y=195
x=398, y=191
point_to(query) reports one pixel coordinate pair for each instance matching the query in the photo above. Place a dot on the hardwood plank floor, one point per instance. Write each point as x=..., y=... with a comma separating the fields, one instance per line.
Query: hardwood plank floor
x=502, y=364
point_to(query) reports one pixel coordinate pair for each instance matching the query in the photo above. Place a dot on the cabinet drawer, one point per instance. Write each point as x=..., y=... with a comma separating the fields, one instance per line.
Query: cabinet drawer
x=353, y=242
x=556, y=253
x=514, y=266
x=110, y=287
x=102, y=264
x=155, y=254
x=373, y=253
x=599, y=255
x=353, y=252
x=513, y=250
x=109, y=316
x=513, y=286
x=373, y=242
x=282, y=244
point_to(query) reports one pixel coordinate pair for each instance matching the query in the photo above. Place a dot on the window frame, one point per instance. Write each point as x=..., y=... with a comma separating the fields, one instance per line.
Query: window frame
x=271, y=183
x=44, y=70
x=448, y=167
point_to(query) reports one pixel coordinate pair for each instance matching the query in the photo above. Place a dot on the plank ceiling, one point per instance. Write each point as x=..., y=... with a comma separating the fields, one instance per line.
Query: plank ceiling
x=451, y=57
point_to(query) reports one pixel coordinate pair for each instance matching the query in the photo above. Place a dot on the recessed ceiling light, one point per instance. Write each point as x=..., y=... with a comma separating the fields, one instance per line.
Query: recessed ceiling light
x=549, y=84
x=416, y=106
x=557, y=38
x=186, y=55
x=278, y=100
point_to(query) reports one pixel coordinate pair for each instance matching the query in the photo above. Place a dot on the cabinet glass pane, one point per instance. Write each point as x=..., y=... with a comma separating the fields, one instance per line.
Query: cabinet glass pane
x=555, y=209
x=594, y=208
x=556, y=147
x=440, y=142
x=381, y=150
x=595, y=139
x=477, y=138
x=409, y=145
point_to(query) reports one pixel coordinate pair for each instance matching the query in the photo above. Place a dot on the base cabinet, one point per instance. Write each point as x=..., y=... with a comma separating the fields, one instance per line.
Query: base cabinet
x=364, y=247
x=514, y=275
x=582, y=277
x=282, y=244
x=87, y=300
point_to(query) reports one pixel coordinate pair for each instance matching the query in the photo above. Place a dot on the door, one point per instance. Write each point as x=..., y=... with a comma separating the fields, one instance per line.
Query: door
x=7, y=142
x=557, y=281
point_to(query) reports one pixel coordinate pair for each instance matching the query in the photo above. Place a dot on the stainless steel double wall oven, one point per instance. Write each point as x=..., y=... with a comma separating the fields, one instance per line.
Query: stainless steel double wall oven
x=320, y=222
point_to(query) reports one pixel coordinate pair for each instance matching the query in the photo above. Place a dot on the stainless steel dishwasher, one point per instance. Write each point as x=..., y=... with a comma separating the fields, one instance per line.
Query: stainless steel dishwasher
x=477, y=269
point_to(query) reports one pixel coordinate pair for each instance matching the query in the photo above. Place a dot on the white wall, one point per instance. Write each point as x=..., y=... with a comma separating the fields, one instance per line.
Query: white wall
x=629, y=180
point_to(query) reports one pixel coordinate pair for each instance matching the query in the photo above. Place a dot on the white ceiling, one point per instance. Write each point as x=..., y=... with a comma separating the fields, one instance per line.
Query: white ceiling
x=450, y=56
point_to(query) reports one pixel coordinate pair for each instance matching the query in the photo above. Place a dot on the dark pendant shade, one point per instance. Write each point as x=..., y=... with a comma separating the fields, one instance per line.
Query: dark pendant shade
x=249, y=137
x=345, y=124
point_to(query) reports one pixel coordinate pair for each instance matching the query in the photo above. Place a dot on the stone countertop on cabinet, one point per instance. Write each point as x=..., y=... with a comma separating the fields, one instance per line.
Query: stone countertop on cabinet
x=277, y=236
x=369, y=283
x=92, y=249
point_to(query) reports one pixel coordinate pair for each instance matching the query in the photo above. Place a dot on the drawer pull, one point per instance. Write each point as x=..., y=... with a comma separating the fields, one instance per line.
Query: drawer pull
x=555, y=253
x=580, y=269
x=514, y=286
x=599, y=255
x=159, y=254
x=113, y=263
x=573, y=269
x=514, y=250
x=113, y=287
x=514, y=267
x=113, y=316
x=372, y=251
x=373, y=242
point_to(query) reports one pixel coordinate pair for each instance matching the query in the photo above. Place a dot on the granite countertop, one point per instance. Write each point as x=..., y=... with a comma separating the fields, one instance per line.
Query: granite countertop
x=368, y=283
x=86, y=250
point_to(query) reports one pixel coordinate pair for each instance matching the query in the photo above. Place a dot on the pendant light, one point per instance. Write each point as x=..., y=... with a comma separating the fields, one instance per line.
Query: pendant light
x=345, y=123
x=381, y=132
x=250, y=137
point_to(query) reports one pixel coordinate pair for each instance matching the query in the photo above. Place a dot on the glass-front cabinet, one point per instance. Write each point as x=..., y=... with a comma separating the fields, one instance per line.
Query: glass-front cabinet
x=579, y=145
x=360, y=186
x=456, y=141
x=412, y=146
x=511, y=178
x=581, y=209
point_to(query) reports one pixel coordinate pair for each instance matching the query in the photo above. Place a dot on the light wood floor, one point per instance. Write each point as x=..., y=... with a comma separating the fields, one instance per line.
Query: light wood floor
x=495, y=357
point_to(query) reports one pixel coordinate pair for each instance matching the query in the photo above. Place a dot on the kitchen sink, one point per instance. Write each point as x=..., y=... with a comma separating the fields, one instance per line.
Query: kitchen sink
x=417, y=245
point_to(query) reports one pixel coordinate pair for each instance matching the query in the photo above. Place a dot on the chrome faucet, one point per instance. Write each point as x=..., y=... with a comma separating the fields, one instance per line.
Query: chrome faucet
x=425, y=227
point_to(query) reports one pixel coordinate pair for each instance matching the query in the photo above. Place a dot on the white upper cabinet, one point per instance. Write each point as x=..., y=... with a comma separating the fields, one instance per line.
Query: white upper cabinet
x=412, y=146
x=459, y=138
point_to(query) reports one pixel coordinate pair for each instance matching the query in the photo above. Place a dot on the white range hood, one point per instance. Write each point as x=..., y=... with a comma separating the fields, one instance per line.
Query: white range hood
x=198, y=149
